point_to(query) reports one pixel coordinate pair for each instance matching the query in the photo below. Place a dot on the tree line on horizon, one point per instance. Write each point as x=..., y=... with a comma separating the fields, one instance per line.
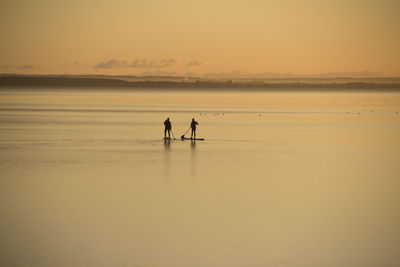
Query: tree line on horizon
x=283, y=84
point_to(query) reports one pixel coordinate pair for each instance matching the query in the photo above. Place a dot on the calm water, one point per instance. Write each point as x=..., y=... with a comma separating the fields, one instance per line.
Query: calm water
x=306, y=179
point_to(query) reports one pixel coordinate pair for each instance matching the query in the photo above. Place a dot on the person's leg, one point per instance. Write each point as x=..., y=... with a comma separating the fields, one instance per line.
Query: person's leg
x=169, y=133
x=165, y=132
x=194, y=133
x=191, y=134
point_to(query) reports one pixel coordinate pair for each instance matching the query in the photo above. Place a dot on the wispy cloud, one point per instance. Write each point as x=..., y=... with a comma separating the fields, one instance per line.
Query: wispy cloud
x=27, y=67
x=192, y=74
x=71, y=62
x=21, y=67
x=273, y=75
x=365, y=73
x=195, y=63
x=152, y=63
x=112, y=64
x=159, y=73
x=140, y=63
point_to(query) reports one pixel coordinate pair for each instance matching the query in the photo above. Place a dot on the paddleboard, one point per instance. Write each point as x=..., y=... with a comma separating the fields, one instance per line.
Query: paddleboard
x=195, y=139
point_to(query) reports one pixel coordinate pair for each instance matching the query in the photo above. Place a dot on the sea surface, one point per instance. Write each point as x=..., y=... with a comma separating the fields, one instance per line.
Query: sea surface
x=281, y=179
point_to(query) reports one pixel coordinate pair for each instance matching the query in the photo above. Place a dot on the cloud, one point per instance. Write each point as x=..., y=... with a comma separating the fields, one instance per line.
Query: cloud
x=138, y=63
x=354, y=74
x=152, y=63
x=274, y=75
x=195, y=63
x=112, y=64
x=27, y=67
x=192, y=74
x=159, y=73
x=71, y=62
x=21, y=67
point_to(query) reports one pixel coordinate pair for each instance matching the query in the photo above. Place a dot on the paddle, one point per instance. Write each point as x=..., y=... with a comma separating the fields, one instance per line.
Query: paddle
x=183, y=136
x=173, y=135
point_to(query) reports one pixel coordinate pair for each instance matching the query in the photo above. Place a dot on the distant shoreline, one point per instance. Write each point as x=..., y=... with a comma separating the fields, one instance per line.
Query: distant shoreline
x=182, y=83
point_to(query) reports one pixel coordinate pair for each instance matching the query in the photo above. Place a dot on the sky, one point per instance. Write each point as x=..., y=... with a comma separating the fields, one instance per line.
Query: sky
x=300, y=37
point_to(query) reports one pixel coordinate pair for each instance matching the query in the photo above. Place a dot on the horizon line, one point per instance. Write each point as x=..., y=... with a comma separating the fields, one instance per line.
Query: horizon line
x=219, y=75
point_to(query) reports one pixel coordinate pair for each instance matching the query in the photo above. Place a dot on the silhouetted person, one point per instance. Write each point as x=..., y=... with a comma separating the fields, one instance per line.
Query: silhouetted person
x=193, y=126
x=168, y=128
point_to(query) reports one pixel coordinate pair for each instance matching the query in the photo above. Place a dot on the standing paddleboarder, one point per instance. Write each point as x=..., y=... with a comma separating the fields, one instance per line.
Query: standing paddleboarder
x=193, y=126
x=168, y=127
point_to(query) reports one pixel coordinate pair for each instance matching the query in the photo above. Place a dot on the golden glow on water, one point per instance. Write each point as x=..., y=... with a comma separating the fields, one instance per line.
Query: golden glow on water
x=294, y=179
x=207, y=98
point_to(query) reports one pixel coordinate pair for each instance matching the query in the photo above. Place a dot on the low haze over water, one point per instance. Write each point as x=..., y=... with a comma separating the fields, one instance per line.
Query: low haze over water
x=282, y=179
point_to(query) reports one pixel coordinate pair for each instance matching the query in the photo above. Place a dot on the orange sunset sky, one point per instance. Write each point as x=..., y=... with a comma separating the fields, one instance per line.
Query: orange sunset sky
x=186, y=37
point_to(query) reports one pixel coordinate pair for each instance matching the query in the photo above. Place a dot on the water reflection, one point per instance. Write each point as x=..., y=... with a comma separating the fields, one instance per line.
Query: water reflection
x=167, y=159
x=193, y=158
